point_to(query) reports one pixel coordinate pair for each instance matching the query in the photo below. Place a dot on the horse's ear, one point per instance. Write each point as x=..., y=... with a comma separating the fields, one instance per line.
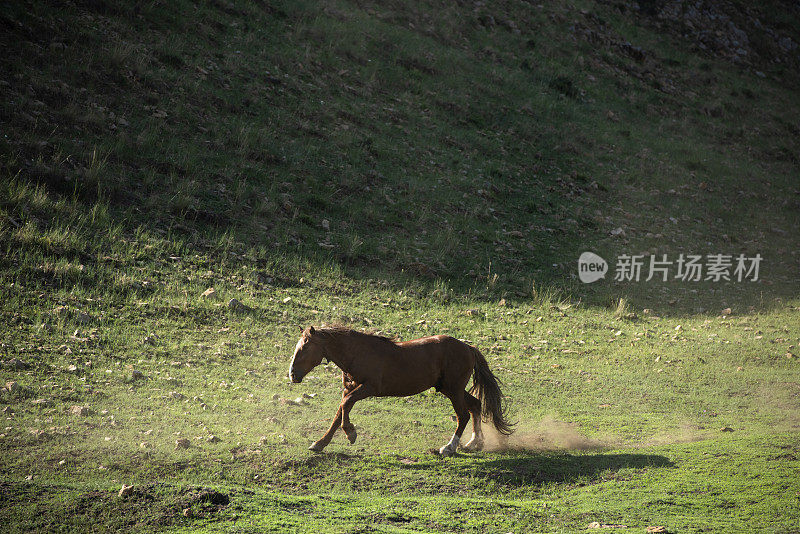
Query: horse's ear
x=311, y=330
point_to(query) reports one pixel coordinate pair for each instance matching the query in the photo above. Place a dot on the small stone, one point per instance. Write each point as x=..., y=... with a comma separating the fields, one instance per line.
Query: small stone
x=145, y=445
x=187, y=512
x=213, y=439
x=236, y=305
x=126, y=490
x=726, y=429
x=82, y=411
x=726, y=311
x=326, y=224
x=177, y=396
x=209, y=293
x=182, y=443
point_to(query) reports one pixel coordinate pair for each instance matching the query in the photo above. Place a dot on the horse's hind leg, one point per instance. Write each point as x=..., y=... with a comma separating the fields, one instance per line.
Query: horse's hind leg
x=474, y=407
x=460, y=406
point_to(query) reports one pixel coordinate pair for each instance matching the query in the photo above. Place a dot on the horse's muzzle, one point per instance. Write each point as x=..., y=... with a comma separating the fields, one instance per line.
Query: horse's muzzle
x=294, y=378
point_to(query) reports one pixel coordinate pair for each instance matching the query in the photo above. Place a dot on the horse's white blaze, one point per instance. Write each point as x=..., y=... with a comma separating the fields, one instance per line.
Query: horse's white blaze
x=296, y=350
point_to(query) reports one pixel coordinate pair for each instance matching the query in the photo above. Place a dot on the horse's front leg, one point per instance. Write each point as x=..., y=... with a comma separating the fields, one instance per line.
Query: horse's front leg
x=361, y=391
x=324, y=440
x=348, y=385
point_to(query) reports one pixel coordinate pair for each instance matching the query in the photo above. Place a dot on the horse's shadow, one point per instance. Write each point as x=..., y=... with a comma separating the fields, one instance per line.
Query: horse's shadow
x=543, y=467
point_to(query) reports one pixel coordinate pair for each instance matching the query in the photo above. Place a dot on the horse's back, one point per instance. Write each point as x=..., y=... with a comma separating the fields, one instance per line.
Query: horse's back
x=442, y=346
x=423, y=363
x=428, y=340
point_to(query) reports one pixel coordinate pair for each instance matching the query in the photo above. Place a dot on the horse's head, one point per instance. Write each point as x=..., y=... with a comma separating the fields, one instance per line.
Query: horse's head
x=307, y=354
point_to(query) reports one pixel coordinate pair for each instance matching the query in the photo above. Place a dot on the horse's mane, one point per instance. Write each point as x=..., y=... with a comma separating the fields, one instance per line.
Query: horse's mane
x=340, y=330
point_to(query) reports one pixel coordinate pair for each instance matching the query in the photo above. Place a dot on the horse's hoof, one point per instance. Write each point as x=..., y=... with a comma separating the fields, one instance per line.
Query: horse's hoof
x=473, y=447
x=316, y=446
x=351, y=435
x=446, y=451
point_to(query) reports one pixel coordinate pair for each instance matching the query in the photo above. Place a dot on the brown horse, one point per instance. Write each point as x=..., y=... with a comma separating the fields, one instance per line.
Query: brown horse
x=375, y=366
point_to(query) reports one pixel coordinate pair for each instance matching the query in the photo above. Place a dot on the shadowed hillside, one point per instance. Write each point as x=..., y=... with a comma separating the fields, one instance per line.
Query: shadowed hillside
x=479, y=145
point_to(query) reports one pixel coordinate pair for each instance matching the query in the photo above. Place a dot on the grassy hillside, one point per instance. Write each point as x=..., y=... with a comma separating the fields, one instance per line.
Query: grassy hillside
x=411, y=168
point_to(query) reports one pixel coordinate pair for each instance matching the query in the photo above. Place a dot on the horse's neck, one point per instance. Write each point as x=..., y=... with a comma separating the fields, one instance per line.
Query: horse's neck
x=335, y=352
x=344, y=351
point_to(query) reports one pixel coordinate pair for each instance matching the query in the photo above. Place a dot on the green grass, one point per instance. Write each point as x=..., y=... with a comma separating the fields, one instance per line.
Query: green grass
x=407, y=169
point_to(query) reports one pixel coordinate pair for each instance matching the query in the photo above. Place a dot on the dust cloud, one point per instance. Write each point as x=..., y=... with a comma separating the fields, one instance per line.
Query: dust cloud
x=548, y=434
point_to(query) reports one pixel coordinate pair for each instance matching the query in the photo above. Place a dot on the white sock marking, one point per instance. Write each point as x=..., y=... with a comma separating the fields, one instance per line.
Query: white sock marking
x=451, y=447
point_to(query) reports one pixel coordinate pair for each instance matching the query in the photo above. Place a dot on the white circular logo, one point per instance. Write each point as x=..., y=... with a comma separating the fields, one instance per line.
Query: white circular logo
x=591, y=267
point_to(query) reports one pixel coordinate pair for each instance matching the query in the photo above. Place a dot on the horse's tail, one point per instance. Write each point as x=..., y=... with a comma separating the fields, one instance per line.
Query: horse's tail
x=487, y=388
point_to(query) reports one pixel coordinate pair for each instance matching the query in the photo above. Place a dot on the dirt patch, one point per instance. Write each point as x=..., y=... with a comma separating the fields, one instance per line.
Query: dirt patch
x=205, y=496
x=151, y=504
